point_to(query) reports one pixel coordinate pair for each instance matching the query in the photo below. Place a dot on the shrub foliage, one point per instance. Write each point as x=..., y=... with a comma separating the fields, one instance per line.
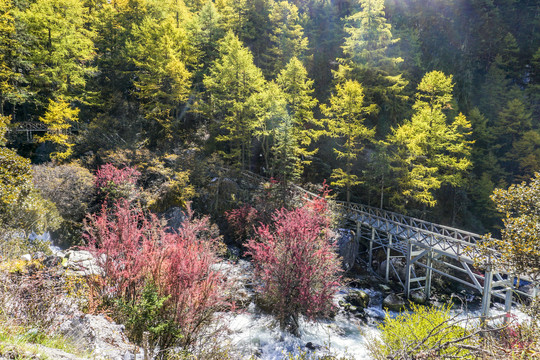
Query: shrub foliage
x=296, y=264
x=161, y=280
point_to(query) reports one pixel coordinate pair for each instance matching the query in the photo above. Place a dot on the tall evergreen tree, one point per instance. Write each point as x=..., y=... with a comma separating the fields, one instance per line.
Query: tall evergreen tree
x=298, y=88
x=430, y=150
x=346, y=114
x=231, y=86
x=61, y=48
x=286, y=36
x=366, y=59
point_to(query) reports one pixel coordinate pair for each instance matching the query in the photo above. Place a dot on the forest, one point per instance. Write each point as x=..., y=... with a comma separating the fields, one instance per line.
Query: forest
x=114, y=114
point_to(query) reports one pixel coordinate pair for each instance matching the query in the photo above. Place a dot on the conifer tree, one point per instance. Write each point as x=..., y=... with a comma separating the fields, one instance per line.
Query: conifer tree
x=430, y=150
x=161, y=53
x=59, y=117
x=298, y=88
x=232, y=85
x=9, y=91
x=367, y=61
x=286, y=36
x=61, y=47
x=346, y=113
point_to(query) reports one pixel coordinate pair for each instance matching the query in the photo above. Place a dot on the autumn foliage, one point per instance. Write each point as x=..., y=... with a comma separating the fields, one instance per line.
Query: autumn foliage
x=297, y=265
x=138, y=255
x=113, y=184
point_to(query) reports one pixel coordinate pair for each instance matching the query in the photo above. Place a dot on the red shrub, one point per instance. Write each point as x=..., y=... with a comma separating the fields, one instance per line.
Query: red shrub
x=242, y=222
x=297, y=265
x=136, y=250
x=113, y=184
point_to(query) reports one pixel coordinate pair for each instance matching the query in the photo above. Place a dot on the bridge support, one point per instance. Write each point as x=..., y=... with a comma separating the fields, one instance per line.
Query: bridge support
x=371, y=248
x=486, y=296
x=508, y=303
x=408, y=270
x=387, y=275
x=427, y=289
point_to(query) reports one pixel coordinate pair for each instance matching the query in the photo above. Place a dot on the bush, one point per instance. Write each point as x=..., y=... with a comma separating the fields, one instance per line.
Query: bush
x=242, y=222
x=297, y=265
x=71, y=188
x=424, y=333
x=157, y=280
x=113, y=184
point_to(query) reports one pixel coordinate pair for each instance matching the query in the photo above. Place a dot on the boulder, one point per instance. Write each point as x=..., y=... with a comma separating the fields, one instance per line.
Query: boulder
x=96, y=334
x=394, y=303
x=358, y=298
x=81, y=262
x=347, y=247
x=418, y=297
x=398, y=264
x=174, y=217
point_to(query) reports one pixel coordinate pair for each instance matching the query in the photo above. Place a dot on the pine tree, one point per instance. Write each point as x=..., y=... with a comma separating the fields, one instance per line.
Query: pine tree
x=366, y=60
x=61, y=48
x=298, y=88
x=346, y=113
x=8, y=51
x=59, y=117
x=430, y=150
x=161, y=53
x=286, y=36
x=231, y=86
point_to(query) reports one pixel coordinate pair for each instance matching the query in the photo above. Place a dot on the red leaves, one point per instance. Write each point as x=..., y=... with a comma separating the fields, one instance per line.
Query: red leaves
x=114, y=184
x=297, y=264
x=134, y=249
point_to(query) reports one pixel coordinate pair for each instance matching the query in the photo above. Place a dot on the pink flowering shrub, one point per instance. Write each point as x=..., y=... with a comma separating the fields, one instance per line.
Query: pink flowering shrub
x=113, y=184
x=160, y=281
x=297, y=265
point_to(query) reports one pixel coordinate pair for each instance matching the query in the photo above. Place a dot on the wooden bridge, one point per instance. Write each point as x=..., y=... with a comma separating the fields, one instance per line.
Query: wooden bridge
x=424, y=248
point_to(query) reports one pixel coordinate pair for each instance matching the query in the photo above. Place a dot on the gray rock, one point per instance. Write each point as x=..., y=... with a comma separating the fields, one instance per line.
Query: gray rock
x=398, y=264
x=175, y=217
x=418, y=297
x=103, y=338
x=82, y=262
x=347, y=247
x=394, y=303
x=358, y=298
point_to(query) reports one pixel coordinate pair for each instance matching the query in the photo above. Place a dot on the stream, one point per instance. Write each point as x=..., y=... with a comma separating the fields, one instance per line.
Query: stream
x=254, y=333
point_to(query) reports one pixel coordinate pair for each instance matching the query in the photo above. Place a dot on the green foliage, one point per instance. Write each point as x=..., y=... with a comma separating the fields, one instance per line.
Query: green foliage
x=519, y=246
x=61, y=46
x=346, y=114
x=232, y=85
x=58, y=118
x=287, y=40
x=298, y=88
x=426, y=332
x=430, y=151
x=145, y=315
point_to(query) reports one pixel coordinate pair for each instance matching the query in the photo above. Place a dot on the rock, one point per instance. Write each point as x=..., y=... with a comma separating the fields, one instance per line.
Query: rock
x=105, y=339
x=394, y=303
x=353, y=309
x=175, y=217
x=398, y=264
x=82, y=262
x=52, y=261
x=418, y=297
x=385, y=288
x=358, y=298
x=312, y=347
x=347, y=247
x=26, y=257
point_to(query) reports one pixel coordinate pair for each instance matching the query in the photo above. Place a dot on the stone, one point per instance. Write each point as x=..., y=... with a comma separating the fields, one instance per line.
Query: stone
x=175, y=217
x=104, y=338
x=399, y=264
x=82, y=262
x=52, y=261
x=347, y=247
x=26, y=257
x=394, y=303
x=418, y=297
x=358, y=298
